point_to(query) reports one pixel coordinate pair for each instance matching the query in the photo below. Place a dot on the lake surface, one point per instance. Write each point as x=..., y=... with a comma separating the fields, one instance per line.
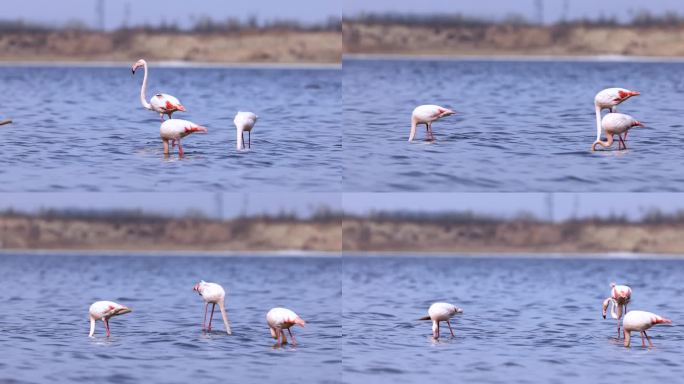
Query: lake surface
x=521, y=126
x=84, y=129
x=524, y=320
x=44, y=320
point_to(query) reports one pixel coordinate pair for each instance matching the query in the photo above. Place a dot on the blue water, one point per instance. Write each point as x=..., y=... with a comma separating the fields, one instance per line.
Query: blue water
x=84, y=129
x=525, y=320
x=521, y=126
x=44, y=320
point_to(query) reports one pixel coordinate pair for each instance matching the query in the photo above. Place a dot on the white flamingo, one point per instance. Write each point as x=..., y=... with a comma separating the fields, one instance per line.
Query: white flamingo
x=244, y=122
x=620, y=295
x=213, y=294
x=426, y=114
x=641, y=321
x=441, y=312
x=279, y=319
x=176, y=129
x=161, y=102
x=609, y=99
x=616, y=124
x=104, y=310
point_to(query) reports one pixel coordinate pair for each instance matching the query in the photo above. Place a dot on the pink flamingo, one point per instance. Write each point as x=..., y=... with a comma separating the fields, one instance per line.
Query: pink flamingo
x=244, y=122
x=441, y=312
x=161, y=102
x=426, y=114
x=104, y=310
x=175, y=130
x=213, y=294
x=609, y=99
x=620, y=295
x=641, y=321
x=279, y=319
x=616, y=124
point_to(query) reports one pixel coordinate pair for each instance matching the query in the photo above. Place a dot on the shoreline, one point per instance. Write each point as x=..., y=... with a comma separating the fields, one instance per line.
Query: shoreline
x=514, y=58
x=169, y=253
x=172, y=64
x=516, y=255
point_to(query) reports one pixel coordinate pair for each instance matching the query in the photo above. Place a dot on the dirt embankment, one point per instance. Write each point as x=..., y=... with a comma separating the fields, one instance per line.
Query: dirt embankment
x=168, y=234
x=365, y=235
x=271, y=46
x=560, y=40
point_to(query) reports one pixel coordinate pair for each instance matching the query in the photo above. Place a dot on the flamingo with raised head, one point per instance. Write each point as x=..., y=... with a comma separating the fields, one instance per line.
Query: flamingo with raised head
x=641, y=321
x=161, y=102
x=441, y=312
x=427, y=114
x=105, y=310
x=176, y=129
x=244, y=122
x=279, y=319
x=213, y=294
x=609, y=99
x=620, y=295
x=616, y=124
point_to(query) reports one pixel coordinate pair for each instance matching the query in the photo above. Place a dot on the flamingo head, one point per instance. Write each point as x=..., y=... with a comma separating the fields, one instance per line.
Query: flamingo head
x=198, y=287
x=446, y=112
x=180, y=107
x=121, y=310
x=299, y=321
x=626, y=94
x=637, y=123
x=138, y=64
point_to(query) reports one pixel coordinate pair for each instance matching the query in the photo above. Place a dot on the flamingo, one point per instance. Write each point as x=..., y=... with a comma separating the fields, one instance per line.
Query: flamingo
x=609, y=99
x=283, y=318
x=213, y=294
x=244, y=121
x=616, y=124
x=441, y=312
x=641, y=321
x=426, y=114
x=104, y=310
x=620, y=295
x=175, y=130
x=161, y=102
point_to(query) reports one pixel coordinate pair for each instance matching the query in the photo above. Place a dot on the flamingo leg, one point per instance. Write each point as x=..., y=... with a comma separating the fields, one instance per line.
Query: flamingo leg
x=106, y=322
x=180, y=153
x=166, y=146
x=294, y=341
x=436, y=333
x=626, y=135
x=280, y=337
x=161, y=117
x=432, y=135
x=643, y=343
x=249, y=139
x=650, y=344
x=451, y=330
x=618, y=328
x=624, y=146
x=204, y=322
x=213, y=305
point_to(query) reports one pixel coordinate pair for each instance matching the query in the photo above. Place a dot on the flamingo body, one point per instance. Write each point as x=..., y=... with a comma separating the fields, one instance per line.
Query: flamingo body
x=441, y=312
x=427, y=114
x=161, y=102
x=616, y=124
x=175, y=130
x=609, y=99
x=641, y=321
x=213, y=294
x=105, y=310
x=244, y=122
x=279, y=319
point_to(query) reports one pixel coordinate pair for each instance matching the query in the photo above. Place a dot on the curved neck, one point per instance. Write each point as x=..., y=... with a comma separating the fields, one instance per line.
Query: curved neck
x=240, y=142
x=598, y=122
x=413, y=130
x=604, y=144
x=143, y=98
x=226, y=323
x=92, y=326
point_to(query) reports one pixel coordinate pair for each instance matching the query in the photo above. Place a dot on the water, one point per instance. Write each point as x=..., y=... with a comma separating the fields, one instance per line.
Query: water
x=522, y=126
x=84, y=129
x=524, y=321
x=44, y=320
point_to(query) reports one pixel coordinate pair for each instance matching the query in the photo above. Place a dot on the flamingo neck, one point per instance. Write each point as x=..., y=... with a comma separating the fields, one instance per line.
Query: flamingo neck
x=226, y=323
x=92, y=327
x=627, y=335
x=598, y=122
x=413, y=130
x=143, y=98
x=604, y=144
x=240, y=142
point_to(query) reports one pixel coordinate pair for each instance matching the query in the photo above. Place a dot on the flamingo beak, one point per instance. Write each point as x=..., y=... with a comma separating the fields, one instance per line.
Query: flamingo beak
x=180, y=108
x=133, y=71
x=299, y=321
x=123, y=311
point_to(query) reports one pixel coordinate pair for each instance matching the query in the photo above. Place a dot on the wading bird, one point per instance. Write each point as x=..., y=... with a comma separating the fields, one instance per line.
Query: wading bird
x=641, y=321
x=279, y=319
x=620, y=295
x=441, y=312
x=609, y=99
x=616, y=124
x=244, y=122
x=176, y=129
x=426, y=114
x=161, y=102
x=104, y=310
x=213, y=294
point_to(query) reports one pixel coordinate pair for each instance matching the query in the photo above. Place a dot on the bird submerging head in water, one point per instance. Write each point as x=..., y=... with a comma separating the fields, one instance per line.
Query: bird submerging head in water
x=441, y=312
x=105, y=310
x=641, y=321
x=174, y=130
x=620, y=295
x=244, y=122
x=609, y=99
x=616, y=124
x=427, y=114
x=161, y=102
x=280, y=319
x=213, y=294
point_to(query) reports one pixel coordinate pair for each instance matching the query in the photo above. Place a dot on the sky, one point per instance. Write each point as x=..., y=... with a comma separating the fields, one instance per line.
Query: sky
x=62, y=11
x=553, y=9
